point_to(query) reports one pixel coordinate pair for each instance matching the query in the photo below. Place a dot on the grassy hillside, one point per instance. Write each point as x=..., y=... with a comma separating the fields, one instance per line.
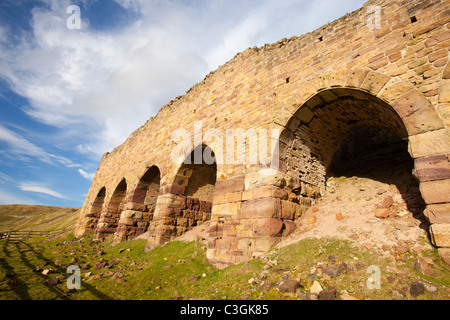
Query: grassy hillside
x=34, y=217
x=36, y=268
x=179, y=270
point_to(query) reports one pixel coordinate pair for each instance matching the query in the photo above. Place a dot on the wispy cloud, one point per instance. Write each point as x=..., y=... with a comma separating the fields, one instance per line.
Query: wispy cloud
x=6, y=197
x=18, y=146
x=84, y=174
x=21, y=146
x=33, y=187
x=105, y=84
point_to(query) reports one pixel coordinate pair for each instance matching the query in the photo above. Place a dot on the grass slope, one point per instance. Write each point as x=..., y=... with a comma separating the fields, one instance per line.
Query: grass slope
x=38, y=218
x=180, y=270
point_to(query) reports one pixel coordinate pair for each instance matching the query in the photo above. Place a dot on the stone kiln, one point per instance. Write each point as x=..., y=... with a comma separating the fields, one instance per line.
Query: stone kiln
x=391, y=72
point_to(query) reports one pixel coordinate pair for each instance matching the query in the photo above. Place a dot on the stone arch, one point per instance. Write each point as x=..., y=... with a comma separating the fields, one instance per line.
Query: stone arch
x=95, y=211
x=186, y=201
x=314, y=133
x=196, y=180
x=138, y=212
x=109, y=218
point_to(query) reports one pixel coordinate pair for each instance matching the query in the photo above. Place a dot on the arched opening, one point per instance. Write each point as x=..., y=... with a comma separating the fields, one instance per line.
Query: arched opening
x=95, y=211
x=109, y=219
x=135, y=220
x=379, y=155
x=199, y=180
x=348, y=132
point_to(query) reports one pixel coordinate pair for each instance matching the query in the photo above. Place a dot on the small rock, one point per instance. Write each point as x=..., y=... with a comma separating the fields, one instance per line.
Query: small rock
x=430, y=288
x=158, y=288
x=382, y=213
x=46, y=272
x=327, y=295
x=423, y=267
x=289, y=286
x=53, y=282
x=397, y=295
x=100, y=265
x=58, y=262
x=195, y=277
x=416, y=289
x=333, y=271
x=315, y=288
x=251, y=281
x=306, y=295
x=401, y=249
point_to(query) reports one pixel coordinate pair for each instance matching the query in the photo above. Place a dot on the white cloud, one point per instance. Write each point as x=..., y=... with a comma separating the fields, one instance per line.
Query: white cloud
x=84, y=174
x=7, y=197
x=32, y=187
x=21, y=148
x=104, y=85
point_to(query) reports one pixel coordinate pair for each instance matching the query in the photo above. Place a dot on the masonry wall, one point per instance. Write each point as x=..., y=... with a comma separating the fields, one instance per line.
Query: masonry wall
x=314, y=89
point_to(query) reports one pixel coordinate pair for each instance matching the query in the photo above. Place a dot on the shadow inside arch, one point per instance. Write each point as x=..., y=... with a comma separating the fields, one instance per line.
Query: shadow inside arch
x=379, y=155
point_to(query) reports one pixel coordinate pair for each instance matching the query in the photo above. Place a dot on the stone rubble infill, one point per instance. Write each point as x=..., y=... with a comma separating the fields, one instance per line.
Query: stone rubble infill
x=368, y=212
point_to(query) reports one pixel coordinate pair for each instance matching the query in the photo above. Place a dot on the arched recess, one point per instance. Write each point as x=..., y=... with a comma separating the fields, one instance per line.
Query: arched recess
x=198, y=180
x=187, y=201
x=110, y=216
x=138, y=213
x=95, y=211
x=313, y=138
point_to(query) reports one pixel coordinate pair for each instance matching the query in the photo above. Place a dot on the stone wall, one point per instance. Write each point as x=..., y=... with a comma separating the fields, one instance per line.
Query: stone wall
x=314, y=89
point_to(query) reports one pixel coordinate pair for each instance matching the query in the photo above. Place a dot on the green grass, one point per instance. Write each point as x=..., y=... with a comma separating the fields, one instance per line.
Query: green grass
x=180, y=270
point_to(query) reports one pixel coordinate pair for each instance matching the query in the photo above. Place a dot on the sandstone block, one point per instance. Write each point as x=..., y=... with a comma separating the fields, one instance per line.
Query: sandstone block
x=261, y=208
x=304, y=114
x=260, y=179
x=172, y=188
x=430, y=143
x=436, y=191
x=264, y=244
x=289, y=227
x=432, y=168
x=444, y=90
x=444, y=253
x=230, y=185
x=438, y=213
x=410, y=102
x=423, y=121
x=270, y=191
x=356, y=78
x=226, y=210
x=268, y=227
x=290, y=210
x=440, y=234
x=374, y=82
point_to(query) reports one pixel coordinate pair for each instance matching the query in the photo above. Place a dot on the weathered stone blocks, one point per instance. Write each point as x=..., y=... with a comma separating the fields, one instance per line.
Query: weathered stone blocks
x=440, y=234
x=398, y=75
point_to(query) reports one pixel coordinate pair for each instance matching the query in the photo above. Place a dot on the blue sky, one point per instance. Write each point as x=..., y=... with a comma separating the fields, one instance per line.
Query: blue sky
x=69, y=95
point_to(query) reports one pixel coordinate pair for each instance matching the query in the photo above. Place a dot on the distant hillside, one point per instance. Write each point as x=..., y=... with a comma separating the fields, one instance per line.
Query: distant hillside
x=34, y=217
